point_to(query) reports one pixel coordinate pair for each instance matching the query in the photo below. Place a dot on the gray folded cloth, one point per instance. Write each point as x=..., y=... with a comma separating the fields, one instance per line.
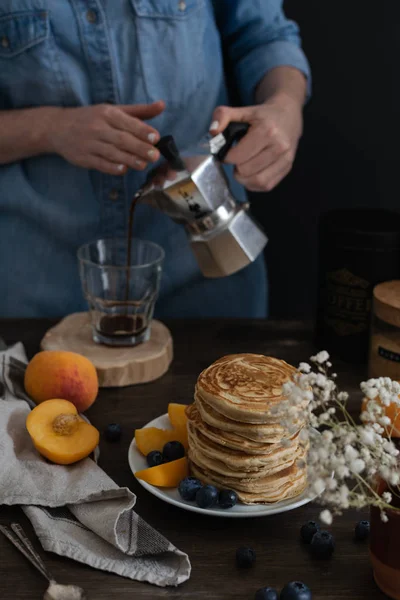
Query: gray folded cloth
x=76, y=511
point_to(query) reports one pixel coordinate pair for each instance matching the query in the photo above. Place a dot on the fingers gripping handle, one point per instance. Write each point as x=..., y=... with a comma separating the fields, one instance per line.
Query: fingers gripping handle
x=222, y=143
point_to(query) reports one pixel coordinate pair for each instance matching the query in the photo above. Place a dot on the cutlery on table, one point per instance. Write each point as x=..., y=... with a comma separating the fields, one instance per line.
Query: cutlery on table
x=55, y=591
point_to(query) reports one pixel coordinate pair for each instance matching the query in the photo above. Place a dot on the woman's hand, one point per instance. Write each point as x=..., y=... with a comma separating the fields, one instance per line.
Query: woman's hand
x=266, y=153
x=105, y=137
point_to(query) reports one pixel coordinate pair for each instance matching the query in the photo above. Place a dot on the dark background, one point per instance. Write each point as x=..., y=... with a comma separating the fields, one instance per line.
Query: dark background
x=348, y=156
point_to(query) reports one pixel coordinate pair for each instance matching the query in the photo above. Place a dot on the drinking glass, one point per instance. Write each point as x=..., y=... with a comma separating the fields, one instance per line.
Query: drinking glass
x=121, y=285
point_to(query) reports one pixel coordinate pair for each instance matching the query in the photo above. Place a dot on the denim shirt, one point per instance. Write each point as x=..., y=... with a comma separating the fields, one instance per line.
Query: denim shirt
x=73, y=53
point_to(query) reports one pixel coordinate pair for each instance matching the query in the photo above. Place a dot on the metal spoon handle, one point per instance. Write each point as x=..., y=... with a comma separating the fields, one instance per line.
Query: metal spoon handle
x=12, y=537
x=17, y=529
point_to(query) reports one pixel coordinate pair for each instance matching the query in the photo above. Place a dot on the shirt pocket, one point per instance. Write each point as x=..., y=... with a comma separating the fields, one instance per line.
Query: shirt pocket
x=29, y=67
x=170, y=40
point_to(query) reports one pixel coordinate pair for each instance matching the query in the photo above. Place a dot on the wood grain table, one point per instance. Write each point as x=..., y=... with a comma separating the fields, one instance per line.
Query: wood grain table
x=210, y=542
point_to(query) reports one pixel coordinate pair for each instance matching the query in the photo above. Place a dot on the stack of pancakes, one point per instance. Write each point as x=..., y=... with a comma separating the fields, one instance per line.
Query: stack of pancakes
x=236, y=436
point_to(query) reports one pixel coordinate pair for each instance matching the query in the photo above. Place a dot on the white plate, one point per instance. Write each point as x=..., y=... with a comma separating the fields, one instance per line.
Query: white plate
x=137, y=462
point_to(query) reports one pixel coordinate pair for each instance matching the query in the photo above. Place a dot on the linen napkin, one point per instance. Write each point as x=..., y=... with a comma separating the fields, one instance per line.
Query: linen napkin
x=76, y=511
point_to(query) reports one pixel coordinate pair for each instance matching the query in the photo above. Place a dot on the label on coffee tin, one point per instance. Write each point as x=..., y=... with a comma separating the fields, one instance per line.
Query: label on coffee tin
x=348, y=302
x=388, y=354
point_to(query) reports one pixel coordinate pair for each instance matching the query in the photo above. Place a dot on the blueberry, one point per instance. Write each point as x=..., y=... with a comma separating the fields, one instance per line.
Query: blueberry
x=308, y=530
x=113, y=432
x=227, y=498
x=322, y=544
x=361, y=531
x=154, y=458
x=189, y=487
x=296, y=590
x=266, y=593
x=173, y=451
x=207, y=496
x=245, y=557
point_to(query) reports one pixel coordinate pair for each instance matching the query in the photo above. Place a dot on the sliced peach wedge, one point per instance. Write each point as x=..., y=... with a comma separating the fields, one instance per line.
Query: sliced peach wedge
x=177, y=415
x=167, y=475
x=152, y=438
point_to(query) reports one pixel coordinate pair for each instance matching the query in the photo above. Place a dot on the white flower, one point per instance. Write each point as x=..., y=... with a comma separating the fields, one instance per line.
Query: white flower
x=390, y=448
x=350, y=453
x=357, y=466
x=367, y=436
x=385, y=473
x=323, y=454
x=384, y=397
x=365, y=454
x=374, y=408
x=350, y=437
x=370, y=392
x=327, y=435
x=342, y=472
x=384, y=517
x=346, y=450
x=387, y=496
x=344, y=493
x=287, y=388
x=337, y=461
x=320, y=358
x=323, y=417
x=326, y=517
x=331, y=484
x=394, y=479
x=321, y=381
x=378, y=428
x=319, y=486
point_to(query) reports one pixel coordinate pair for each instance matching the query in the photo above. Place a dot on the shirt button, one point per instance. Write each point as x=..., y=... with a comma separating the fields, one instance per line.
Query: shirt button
x=113, y=195
x=91, y=16
x=182, y=5
x=5, y=42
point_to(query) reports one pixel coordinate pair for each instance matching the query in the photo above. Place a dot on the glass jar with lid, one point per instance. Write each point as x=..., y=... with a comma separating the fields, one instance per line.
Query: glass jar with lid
x=384, y=353
x=359, y=248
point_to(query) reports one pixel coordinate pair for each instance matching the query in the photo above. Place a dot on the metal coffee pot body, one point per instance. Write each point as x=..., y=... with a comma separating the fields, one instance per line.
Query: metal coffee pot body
x=194, y=191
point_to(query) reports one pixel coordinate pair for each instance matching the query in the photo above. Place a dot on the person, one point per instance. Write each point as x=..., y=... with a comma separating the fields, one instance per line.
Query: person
x=87, y=87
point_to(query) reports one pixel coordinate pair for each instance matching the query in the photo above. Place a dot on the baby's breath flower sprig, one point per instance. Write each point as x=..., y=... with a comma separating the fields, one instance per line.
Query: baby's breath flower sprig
x=346, y=459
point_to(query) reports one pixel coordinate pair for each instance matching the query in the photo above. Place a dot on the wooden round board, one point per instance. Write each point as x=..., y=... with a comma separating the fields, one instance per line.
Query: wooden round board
x=116, y=366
